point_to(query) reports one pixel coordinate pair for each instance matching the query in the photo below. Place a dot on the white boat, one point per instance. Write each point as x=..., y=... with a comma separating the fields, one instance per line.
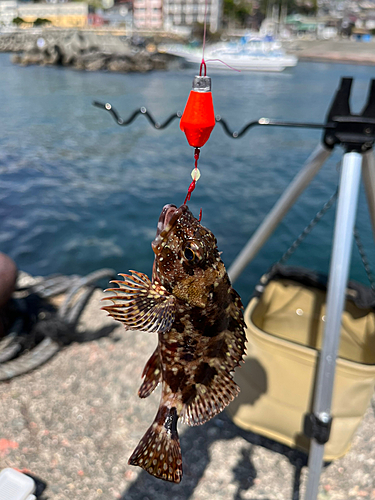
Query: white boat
x=254, y=55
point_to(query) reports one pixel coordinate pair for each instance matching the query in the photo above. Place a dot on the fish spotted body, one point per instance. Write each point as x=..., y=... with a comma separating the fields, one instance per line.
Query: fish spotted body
x=198, y=316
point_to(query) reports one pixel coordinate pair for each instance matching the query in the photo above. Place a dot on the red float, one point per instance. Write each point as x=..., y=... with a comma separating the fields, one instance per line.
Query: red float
x=198, y=118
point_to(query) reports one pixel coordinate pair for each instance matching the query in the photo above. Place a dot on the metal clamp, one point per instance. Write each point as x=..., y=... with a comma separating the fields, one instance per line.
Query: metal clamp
x=317, y=426
x=354, y=132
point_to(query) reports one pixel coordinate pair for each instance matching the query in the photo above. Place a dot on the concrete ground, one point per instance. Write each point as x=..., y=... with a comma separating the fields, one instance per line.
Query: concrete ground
x=74, y=422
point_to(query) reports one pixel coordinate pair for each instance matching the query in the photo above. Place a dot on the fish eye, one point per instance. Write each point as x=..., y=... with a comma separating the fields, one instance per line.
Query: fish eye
x=193, y=252
x=189, y=254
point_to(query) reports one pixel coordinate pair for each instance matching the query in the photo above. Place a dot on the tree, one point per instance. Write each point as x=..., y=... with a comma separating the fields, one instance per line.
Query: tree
x=237, y=10
x=18, y=20
x=40, y=21
x=292, y=6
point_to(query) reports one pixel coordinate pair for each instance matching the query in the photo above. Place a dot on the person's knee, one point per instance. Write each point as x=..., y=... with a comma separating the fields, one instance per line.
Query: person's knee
x=8, y=278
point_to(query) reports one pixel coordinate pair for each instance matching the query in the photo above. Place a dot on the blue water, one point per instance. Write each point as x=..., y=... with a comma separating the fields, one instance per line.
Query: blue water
x=78, y=192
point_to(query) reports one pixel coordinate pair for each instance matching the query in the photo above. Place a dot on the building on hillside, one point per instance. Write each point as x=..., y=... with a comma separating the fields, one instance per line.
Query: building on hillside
x=62, y=15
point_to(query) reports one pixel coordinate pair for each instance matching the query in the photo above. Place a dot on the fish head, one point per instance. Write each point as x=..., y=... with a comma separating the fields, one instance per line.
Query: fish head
x=187, y=261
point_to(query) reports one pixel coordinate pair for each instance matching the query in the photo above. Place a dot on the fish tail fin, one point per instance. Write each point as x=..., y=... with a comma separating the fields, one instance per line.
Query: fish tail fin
x=159, y=451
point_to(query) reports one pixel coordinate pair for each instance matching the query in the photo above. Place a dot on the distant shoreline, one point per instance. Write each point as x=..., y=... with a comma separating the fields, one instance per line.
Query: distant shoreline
x=337, y=59
x=113, y=45
x=338, y=51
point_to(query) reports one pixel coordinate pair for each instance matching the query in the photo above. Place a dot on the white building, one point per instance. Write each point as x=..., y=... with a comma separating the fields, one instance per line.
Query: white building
x=64, y=15
x=181, y=13
x=172, y=14
x=67, y=14
x=8, y=11
x=148, y=14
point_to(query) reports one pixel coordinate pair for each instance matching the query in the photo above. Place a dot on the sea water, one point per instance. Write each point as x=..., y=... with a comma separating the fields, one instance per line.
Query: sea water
x=78, y=192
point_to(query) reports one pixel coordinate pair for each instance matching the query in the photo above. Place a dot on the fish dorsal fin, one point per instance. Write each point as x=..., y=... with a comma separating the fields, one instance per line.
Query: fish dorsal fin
x=215, y=387
x=159, y=451
x=152, y=374
x=140, y=304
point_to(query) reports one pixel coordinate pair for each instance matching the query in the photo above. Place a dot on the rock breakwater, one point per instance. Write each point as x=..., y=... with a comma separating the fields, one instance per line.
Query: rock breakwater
x=83, y=51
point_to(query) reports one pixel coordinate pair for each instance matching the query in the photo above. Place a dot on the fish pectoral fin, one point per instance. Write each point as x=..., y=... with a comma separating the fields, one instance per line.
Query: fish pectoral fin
x=140, y=304
x=210, y=400
x=152, y=374
x=159, y=451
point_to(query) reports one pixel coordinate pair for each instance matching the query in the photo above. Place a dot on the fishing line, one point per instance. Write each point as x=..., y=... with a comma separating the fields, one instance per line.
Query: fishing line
x=226, y=64
x=195, y=174
x=198, y=118
x=203, y=63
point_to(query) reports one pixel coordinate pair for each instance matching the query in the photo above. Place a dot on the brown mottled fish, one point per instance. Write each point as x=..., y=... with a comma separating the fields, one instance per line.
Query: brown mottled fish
x=198, y=316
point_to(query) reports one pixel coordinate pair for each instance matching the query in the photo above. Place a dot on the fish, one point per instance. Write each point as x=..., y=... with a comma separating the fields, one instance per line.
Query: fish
x=198, y=316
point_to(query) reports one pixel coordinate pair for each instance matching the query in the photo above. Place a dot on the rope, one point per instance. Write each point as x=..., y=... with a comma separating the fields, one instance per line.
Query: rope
x=39, y=329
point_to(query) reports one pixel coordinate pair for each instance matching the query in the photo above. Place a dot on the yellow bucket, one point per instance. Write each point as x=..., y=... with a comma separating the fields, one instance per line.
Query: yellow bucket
x=284, y=333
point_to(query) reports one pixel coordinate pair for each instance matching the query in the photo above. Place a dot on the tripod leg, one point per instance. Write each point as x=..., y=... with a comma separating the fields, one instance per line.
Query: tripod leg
x=369, y=182
x=338, y=278
x=272, y=220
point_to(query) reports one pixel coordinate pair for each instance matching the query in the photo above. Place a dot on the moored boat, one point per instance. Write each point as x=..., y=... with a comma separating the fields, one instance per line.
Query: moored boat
x=254, y=55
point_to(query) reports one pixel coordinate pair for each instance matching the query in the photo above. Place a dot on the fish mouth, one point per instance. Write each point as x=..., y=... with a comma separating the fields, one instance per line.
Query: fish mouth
x=168, y=217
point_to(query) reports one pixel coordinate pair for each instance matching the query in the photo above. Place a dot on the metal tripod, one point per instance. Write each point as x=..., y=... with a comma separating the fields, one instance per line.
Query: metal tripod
x=356, y=133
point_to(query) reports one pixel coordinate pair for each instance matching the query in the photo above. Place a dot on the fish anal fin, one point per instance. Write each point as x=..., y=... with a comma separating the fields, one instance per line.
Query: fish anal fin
x=152, y=374
x=210, y=400
x=159, y=452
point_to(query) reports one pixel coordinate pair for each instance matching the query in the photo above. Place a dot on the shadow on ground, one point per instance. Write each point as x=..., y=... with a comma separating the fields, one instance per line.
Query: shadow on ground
x=195, y=444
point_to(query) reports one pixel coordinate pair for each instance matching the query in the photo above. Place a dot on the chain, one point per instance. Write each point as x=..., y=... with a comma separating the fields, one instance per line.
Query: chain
x=364, y=258
x=308, y=228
